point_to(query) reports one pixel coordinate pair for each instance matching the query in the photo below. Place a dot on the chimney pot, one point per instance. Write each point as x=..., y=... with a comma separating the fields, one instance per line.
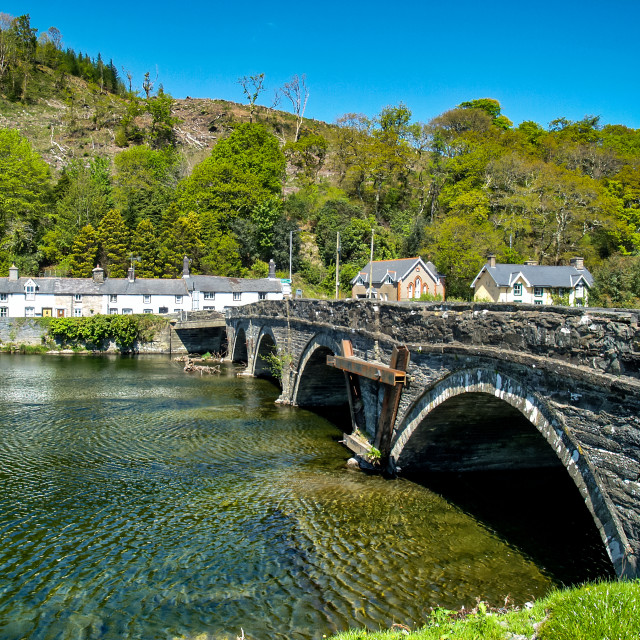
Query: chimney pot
x=13, y=272
x=98, y=275
x=491, y=259
x=578, y=263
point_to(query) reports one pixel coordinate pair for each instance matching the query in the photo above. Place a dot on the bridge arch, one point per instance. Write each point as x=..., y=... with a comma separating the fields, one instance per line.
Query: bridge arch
x=266, y=345
x=239, y=350
x=454, y=394
x=316, y=383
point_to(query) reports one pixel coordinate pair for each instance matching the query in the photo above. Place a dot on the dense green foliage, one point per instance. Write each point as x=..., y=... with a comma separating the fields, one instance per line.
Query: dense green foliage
x=454, y=189
x=604, y=611
x=95, y=332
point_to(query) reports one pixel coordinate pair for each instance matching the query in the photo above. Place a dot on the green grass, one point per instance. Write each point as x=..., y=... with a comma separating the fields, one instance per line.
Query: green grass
x=598, y=611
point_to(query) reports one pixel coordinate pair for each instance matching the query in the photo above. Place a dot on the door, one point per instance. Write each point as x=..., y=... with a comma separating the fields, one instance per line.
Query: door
x=46, y=312
x=60, y=313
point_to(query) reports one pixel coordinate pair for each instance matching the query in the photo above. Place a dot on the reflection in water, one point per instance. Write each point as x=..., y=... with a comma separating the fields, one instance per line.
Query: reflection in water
x=140, y=502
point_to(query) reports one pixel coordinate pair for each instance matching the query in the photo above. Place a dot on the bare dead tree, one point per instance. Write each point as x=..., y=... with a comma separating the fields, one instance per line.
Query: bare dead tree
x=252, y=87
x=297, y=92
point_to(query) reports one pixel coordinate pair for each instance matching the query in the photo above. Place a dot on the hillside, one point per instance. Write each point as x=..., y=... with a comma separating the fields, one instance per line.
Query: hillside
x=232, y=186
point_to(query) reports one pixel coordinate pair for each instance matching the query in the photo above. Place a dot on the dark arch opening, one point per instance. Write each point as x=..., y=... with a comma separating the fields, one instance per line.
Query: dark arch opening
x=483, y=455
x=323, y=389
x=264, y=366
x=240, y=347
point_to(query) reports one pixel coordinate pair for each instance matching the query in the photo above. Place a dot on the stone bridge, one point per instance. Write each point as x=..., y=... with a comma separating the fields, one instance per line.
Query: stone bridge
x=467, y=387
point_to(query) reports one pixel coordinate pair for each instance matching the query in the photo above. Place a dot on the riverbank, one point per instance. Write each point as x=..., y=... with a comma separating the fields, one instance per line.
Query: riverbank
x=595, y=611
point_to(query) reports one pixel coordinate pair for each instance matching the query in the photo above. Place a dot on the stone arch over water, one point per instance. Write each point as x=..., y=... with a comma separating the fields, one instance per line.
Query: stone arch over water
x=266, y=345
x=467, y=399
x=316, y=383
x=239, y=351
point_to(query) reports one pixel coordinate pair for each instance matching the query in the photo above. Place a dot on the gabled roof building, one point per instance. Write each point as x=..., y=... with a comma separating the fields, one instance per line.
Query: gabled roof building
x=533, y=283
x=402, y=279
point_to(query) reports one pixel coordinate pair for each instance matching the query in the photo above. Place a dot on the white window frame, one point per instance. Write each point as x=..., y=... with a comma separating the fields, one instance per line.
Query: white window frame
x=77, y=297
x=4, y=297
x=77, y=312
x=4, y=312
x=237, y=296
x=30, y=291
x=29, y=312
x=209, y=295
x=579, y=291
x=127, y=312
x=178, y=299
x=113, y=297
x=148, y=311
x=262, y=295
x=113, y=312
x=146, y=298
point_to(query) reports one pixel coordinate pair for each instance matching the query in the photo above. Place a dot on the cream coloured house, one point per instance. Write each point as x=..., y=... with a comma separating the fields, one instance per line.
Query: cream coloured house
x=532, y=283
x=393, y=280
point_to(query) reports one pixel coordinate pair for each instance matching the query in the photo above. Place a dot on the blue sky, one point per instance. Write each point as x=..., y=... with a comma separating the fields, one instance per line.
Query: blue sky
x=541, y=60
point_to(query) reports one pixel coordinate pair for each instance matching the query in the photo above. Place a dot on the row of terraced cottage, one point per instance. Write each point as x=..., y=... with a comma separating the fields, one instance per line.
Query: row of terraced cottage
x=413, y=278
x=81, y=297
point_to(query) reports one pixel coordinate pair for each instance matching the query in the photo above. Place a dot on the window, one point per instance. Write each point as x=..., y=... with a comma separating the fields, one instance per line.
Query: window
x=517, y=289
x=148, y=311
x=146, y=299
x=4, y=297
x=127, y=312
x=537, y=302
x=177, y=310
x=579, y=291
x=30, y=290
x=113, y=312
x=4, y=312
x=537, y=292
x=560, y=291
x=410, y=291
x=163, y=310
x=113, y=298
x=77, y=312
x=77, y=297
x=418, y=287
x=237, y=295
x=29, y=312
x=209, y=295
x=178, y=299
x=262, y=296
x=209, y=309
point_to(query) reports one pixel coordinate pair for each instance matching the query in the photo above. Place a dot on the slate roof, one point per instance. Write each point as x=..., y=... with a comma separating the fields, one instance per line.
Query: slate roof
x=219, y=284
x=86, y=286
x=504, y=275
x=397, y=269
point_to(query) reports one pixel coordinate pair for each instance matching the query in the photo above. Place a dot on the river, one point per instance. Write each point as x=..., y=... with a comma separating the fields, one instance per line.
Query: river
x=137, y=501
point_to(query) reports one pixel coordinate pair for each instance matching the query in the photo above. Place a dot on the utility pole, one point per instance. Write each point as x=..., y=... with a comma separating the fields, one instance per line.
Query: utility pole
x=338, y=266
x=290, y=253
x=371, y=268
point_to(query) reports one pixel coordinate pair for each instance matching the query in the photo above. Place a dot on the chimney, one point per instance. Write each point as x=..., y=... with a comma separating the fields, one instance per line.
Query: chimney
x=98, y=275
x=272, y=269
x=578, y=263
x=13, y=273
x=531, y=263
x=185, y=267
x=491, y=259
x=131, y=274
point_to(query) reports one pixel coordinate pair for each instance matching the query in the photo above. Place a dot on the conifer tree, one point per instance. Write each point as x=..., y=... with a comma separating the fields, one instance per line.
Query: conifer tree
x=84, y=253
x=113, y=237
x=146, y=246
x=182, y=238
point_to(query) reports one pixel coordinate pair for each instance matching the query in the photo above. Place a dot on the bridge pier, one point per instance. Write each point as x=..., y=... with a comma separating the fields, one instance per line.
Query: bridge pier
x=488, y=387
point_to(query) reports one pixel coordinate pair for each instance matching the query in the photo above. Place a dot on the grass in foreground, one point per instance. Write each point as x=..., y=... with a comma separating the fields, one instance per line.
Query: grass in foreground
x=598, y=611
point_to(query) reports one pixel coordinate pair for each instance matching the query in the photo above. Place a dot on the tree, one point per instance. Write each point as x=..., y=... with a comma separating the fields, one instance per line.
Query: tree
x=492, y=107
x=84, y=253
x=144, y=182
x=252, y=87
x=145, y=245
x=113, y=238
x=24, y=206
x=297, y=93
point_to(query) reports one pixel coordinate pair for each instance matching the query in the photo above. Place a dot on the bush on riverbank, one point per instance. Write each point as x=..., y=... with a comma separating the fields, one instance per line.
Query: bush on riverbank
x=96, y=332
x=602, y=611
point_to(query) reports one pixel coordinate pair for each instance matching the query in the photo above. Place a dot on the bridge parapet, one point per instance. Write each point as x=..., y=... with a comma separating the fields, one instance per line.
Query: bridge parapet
x=601, y=339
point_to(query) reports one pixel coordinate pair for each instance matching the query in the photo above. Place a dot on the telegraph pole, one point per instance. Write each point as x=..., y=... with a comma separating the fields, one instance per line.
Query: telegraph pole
x=338, y=266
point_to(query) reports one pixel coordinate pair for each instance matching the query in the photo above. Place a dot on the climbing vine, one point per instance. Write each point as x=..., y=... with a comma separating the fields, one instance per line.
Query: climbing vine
x=95, y=332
